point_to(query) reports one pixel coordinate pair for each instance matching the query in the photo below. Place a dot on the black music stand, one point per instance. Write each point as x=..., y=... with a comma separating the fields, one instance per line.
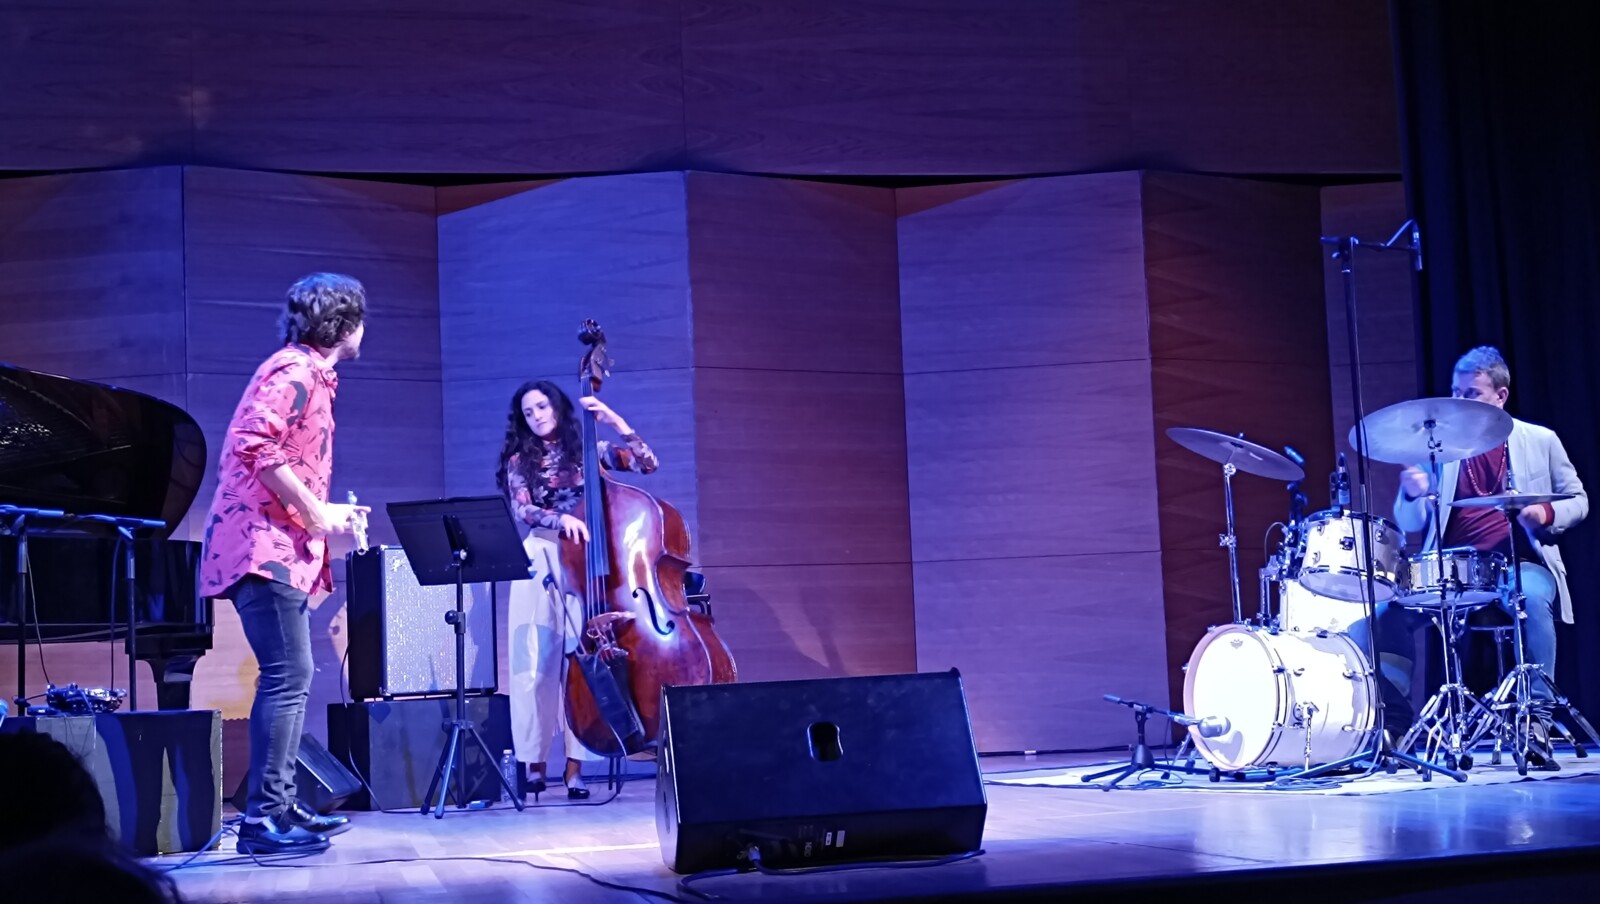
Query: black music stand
x=457, y=541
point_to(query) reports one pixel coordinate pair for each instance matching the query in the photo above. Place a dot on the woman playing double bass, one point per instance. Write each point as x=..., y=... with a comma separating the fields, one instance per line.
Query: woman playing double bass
x=541, y=473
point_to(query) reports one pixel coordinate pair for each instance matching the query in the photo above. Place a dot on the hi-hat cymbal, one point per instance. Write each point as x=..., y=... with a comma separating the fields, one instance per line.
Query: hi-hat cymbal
x=1511, y=500
x=1402, y=433
x=1241, y=453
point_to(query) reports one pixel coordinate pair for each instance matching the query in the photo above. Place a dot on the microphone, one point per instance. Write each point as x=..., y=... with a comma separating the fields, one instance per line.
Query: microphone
x=1339, y=485
x=1209, y=727
x=1294, y=456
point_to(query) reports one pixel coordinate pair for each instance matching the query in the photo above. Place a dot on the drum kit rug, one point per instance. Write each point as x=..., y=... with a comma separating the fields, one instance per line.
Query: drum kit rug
x=1292, y=693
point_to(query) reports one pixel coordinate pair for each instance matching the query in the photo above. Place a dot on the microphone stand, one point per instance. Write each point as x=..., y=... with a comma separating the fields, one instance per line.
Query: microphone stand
x=1379, y=753
x=1140, y=758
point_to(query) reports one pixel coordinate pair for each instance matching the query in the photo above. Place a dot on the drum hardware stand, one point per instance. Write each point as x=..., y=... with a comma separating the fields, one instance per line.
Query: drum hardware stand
x=1448, y=718
x=1382, y=754
x=1140, y=758
x=1231, y=540
x=1515, y=691
x=1302, y=715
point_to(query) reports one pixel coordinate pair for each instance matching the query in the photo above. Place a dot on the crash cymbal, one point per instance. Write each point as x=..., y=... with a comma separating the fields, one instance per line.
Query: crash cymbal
x=1511, y=500
x=1402, y=433
x=1237, y=451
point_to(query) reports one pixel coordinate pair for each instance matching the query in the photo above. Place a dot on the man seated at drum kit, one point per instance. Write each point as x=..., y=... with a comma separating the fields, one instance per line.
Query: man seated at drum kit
x=1529, y=475
x=1298, y=685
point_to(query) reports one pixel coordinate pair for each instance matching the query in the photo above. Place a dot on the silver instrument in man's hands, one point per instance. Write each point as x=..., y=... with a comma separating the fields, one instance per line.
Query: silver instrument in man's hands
x=358, y=524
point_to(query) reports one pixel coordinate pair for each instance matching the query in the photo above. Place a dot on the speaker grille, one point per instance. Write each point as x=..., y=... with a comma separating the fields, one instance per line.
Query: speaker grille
x=400, y=644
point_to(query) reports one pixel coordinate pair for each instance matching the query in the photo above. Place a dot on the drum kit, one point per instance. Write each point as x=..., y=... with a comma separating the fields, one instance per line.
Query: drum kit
x=1294, y=688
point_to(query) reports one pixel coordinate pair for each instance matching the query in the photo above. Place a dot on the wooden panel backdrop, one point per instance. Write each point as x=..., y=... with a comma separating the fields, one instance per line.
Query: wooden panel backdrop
x=799, y=425
x=91, y=287
x=911, y=429
x=585, y=86
x=1238, y=342
x=181, y=273
x=520, y=268
x=418, y=86
x=1033, y=503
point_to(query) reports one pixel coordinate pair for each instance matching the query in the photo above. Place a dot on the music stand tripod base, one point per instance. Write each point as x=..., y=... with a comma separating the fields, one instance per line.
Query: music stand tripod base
x=457, y=541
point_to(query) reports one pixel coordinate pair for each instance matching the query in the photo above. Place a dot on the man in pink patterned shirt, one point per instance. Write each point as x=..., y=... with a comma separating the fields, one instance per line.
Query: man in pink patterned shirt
x=266, y=544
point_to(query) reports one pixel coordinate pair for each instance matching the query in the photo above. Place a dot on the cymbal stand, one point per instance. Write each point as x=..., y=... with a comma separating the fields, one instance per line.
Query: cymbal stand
x=1281, y=565
x=1231, y=541
x=1514, y=695
x=1380, y=755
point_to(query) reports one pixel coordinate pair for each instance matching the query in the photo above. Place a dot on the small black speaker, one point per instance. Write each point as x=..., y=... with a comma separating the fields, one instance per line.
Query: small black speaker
x=396, y=744
x=159, y=773
x=400, y=644
x=321, y=781
x=817, y=771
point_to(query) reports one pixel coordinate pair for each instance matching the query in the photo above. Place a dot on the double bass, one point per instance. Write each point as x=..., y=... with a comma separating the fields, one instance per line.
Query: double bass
x=640, y=633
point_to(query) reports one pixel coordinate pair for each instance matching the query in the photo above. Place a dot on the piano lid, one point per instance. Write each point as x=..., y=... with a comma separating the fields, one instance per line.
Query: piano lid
x=88, y=448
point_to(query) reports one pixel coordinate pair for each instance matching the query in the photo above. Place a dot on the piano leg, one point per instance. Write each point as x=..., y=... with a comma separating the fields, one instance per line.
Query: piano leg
x=173, y=674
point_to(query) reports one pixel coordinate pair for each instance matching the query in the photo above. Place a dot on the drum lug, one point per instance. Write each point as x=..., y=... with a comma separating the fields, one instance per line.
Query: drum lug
x=1347, y=543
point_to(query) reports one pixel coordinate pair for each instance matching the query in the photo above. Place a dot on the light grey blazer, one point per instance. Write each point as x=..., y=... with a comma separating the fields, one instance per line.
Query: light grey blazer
x=1539, y=464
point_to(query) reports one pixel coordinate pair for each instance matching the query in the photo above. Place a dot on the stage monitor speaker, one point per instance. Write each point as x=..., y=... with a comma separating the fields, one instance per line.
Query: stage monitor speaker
x=321, y=781
x=395, y=744
x=400, y=644
x=817, y=771
x=159, y=773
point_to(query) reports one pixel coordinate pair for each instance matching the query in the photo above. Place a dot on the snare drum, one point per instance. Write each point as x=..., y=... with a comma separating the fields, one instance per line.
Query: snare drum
x=1467, y=577
x=1279, y=692
x=1331, y=560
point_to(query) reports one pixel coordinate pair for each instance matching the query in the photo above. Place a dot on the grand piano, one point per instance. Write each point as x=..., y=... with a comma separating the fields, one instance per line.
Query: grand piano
x=89, y=454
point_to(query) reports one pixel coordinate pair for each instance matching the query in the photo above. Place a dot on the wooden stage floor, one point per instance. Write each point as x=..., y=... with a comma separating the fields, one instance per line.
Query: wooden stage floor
x=1041, y=844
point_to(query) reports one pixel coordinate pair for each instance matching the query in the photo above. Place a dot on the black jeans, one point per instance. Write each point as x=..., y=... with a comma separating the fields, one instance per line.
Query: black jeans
x=277, y=623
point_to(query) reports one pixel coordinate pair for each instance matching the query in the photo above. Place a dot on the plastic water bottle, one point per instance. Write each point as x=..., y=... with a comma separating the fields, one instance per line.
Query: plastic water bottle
x=508, y=770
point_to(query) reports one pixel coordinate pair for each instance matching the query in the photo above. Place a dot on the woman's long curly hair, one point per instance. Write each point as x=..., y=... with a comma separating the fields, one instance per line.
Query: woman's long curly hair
x=528, y=448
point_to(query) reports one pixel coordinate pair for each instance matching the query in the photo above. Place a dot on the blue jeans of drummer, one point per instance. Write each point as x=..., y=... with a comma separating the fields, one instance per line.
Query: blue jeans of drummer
x=1396, y=625
x=277, y=622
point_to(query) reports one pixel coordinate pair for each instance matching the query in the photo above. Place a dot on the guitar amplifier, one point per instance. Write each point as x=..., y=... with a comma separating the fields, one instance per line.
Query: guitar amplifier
x=400, y=643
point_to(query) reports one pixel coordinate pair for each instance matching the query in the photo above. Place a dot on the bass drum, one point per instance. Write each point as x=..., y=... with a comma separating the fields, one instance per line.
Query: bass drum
x=1279, y=694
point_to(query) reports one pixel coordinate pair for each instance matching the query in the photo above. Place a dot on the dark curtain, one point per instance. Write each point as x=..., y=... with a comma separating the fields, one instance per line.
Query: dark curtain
x=1501, y=150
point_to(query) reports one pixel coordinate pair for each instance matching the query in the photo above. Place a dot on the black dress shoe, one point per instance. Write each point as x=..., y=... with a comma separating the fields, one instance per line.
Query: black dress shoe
x=533, y=783
x=579, y=793
x=300, y=815
x=269, y=837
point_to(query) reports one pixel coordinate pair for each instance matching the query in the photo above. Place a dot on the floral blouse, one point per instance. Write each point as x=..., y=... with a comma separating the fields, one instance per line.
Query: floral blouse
x=557, y=487
x=284, y=417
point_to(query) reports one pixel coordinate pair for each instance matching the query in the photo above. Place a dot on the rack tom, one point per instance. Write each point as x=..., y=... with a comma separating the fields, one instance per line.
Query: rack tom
x=1332, y=559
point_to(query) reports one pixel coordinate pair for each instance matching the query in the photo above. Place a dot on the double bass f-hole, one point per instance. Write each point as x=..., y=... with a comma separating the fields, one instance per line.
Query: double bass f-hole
x=655, y=622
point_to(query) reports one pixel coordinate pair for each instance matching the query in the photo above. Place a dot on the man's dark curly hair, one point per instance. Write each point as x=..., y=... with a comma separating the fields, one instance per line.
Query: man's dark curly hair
x=323, y=309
